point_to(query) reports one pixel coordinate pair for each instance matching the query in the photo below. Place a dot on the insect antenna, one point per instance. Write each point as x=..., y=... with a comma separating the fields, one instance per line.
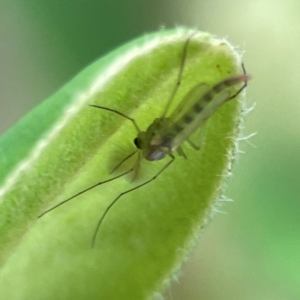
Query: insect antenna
x=118, y=113
x=138, y=130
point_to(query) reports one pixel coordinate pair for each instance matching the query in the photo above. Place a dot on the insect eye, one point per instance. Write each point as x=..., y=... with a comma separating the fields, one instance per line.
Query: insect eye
x=137, y=142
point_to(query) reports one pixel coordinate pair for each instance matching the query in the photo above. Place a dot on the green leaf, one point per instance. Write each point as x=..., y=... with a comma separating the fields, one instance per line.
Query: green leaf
x=64, y=146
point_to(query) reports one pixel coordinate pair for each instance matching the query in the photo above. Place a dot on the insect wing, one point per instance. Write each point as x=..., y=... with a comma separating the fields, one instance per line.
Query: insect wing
x=186, y=110
x=182, y=109
x=188, y=102
x=200, y=118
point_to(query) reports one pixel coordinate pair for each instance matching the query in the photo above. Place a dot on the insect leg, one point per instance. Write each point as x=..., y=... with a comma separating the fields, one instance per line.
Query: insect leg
x=178, y=82
x=82, y=192
x=122, y=161
x=200, y=139
x=181, y=152
x=118, y=113
x=243, y=87
x=196, y=147
x=126, y=192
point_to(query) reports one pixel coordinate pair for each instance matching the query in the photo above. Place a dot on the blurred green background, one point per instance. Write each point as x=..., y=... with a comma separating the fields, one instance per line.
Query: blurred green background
x=253, y=250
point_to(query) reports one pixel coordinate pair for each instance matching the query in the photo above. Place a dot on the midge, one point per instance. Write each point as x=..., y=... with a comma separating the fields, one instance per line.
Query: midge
x=167, y=134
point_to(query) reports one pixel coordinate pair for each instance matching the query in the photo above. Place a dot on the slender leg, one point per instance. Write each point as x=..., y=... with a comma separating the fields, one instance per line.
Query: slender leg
x=244, y=85
x=200, y=141
x=181, y=152
x=122, y=161
x=196, y=147
x=178, y=82
x=124, y=193
x=82, y=192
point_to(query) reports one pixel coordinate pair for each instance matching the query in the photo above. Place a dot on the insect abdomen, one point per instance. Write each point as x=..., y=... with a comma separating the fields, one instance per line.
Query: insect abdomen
x=203, y=107
x=208, y=97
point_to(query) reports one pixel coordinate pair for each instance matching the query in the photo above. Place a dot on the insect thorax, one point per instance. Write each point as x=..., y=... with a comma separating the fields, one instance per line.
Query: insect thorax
x=151, y=143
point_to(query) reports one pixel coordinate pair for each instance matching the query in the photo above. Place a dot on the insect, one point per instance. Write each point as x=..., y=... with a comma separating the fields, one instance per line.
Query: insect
x=166, y=134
